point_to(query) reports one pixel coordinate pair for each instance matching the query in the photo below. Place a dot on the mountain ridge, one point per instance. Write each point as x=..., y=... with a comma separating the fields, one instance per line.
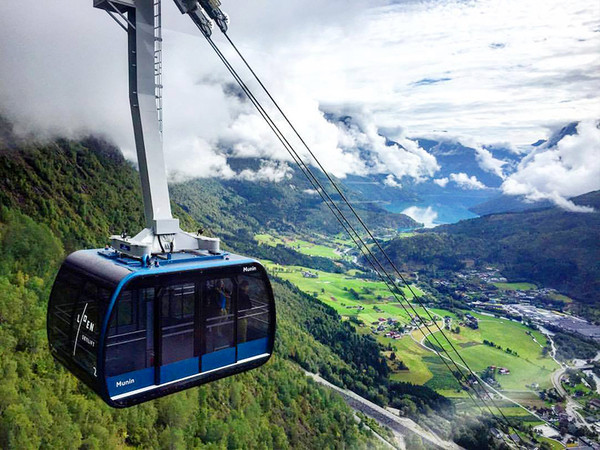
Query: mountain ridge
x=551, y=247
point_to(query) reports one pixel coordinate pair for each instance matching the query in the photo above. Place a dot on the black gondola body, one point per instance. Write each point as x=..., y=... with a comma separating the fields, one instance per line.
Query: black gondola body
x=134, y=331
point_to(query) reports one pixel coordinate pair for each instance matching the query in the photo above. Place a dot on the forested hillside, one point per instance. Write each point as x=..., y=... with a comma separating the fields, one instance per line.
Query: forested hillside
x=41, y=405
x=61, y=195
x=552, y=247
x=234, y=208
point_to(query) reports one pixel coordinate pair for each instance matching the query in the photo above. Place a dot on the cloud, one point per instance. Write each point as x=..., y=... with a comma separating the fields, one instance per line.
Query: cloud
x=494, y=76
x=269, y=171
x=466, y=182
x=442, y=182
x=488, y=163
x=200, y=161
x=485, y=158
x=570, y=168
x=359, y=134
x=426, y=216
x=462, y=180
x=390, y=181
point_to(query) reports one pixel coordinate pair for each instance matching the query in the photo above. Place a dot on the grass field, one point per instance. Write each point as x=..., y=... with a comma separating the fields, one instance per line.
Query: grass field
x=335, y=290
x=305, y=247
x=310, y=249
x=526, y=368
x=412, y=354
x=267, y=239
x=515, y=286
x=369, y=301
x=555, y=445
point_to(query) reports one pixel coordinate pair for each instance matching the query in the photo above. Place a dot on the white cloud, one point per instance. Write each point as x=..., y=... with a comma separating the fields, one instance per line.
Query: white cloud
x=269, y=171
x=442, y=182
x=462, y=180
x=495, y=75
x=569, y=169
x=199, y=160
x=488, y=163
x=390, y=181
x=403, y=158
x=426, y=216
x=465, y=181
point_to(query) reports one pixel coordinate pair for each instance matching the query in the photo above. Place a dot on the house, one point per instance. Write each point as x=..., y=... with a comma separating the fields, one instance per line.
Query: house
x=309, y=274
x=594, y=403
x=496, y=433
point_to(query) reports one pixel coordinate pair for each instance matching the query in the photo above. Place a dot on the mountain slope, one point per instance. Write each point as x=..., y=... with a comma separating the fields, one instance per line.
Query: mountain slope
x=273, y=407
x=552, y=247
x=41, y=405
x=228, y=206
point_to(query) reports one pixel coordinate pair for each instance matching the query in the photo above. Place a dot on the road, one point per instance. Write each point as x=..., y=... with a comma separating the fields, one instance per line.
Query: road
x=571, y=406
x=399, y=425
x=556, y=376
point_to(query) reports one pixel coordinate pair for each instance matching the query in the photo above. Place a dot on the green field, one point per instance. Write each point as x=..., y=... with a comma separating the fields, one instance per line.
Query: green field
x=369, y=301
x=526, y=368
x=555, y=445
x=267, y=239
x=310, y=249
x=515, y=286
x=336, y=290
x=412, y=354
x=306, y=247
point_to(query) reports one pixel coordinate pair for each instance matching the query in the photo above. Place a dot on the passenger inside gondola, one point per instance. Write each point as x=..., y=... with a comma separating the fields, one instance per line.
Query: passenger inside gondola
x=219, y=320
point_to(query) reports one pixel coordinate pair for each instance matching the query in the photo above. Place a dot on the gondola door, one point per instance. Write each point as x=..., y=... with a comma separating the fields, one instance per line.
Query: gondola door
x=176, y=324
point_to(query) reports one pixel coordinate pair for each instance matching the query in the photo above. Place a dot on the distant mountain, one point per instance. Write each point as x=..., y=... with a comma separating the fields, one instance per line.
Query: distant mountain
x=290, y=205
x=552, y=247
x=558, y=135
x=466, y=177
x=453, y=157
x=508, y=203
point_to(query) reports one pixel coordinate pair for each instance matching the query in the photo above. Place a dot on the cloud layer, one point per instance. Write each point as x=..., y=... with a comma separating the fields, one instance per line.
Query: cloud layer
x=502, y=72
x=569, y=169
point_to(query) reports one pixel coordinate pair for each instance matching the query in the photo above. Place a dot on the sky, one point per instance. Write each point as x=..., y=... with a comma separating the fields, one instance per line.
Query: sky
x=484, y=72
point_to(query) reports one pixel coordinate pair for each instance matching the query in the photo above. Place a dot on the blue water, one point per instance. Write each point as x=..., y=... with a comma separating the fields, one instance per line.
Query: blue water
x=448, y=209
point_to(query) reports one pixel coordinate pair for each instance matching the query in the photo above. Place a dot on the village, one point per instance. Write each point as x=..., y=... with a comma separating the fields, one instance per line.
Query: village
x=481, y=290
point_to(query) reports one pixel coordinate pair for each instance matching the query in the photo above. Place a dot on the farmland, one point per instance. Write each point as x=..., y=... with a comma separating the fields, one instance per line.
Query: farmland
x=369, y=304
x=515, y=286
x=306, y=247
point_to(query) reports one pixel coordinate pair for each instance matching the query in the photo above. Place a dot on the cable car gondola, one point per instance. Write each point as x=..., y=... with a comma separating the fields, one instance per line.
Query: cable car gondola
x=133, y=332
x=164, y=310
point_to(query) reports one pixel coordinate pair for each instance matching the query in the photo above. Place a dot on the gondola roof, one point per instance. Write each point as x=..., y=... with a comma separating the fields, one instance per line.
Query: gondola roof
x=112, y=266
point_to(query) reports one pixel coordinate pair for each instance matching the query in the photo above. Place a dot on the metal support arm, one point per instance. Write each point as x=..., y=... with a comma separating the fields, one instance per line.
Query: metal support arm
x=157, y=206
x=162, y=232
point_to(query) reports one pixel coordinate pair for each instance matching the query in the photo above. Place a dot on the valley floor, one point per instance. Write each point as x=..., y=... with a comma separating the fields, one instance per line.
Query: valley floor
x=509, y=356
